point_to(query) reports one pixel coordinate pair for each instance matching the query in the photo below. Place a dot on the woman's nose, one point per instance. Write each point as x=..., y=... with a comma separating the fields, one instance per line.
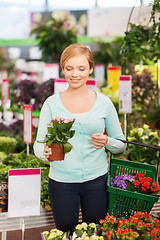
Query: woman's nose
x=74, y=72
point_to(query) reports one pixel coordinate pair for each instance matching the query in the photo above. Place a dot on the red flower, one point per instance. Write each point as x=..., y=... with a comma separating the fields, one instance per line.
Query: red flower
x=141, y=179
x=139, y=174
x=136, y=183
x=148, y=179
x=156, y=233
x=102, y=221
x=146, y=185
x=108, y=234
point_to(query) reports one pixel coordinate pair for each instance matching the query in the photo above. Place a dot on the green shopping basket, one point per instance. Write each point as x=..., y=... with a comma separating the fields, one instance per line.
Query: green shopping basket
x=123, y=203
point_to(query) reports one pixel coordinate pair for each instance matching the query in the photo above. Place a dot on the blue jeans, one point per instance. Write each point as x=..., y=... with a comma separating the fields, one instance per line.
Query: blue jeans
x=67, y=198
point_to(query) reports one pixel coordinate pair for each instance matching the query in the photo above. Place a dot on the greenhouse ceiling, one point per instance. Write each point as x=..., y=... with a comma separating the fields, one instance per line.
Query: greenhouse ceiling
x=50, y=5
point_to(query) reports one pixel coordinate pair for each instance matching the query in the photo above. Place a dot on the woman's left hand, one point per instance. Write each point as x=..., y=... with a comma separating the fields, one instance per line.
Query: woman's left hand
x=99, y=140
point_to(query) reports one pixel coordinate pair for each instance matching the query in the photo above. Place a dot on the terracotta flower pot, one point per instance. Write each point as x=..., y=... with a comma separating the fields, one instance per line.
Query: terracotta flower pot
x=57, y=153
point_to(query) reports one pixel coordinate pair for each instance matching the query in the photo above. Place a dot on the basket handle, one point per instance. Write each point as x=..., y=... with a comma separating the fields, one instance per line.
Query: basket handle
x=144, y=145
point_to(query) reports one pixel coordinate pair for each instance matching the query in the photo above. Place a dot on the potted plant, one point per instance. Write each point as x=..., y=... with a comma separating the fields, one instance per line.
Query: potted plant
x=55, y=34
x=140, y=226
x=142, y=41
x=82, y=230
x=145, y=136
x=23, y=91
x=7, y=144
x=58, y=133
x=54, y=234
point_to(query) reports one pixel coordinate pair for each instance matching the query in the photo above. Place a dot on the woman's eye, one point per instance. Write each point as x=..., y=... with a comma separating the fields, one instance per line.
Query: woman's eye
x=81, y=69
x=68, y=69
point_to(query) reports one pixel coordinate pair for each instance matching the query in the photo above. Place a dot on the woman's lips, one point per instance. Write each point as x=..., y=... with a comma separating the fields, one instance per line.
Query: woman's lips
x=75, y=80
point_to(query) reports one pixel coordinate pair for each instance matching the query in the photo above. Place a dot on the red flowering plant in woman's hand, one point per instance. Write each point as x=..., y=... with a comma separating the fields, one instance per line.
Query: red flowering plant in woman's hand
x=141, y=184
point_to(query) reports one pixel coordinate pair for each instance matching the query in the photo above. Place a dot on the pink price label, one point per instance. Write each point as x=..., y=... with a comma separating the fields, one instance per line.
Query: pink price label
x=21, y=172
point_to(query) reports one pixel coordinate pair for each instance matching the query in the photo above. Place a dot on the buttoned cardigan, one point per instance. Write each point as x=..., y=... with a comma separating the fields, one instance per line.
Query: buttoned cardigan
x=83, y=162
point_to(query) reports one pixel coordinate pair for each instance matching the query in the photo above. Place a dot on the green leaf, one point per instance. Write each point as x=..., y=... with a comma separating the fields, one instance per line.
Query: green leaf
x=62, y=127
x=67, y=147
x=79, y=232
x=49, y=129
x=58, y=139
x=50, y=142
x=72, y=132
x=130, y=186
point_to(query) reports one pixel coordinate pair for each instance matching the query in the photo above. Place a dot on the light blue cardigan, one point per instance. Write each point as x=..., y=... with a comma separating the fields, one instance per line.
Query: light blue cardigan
x=84, y=162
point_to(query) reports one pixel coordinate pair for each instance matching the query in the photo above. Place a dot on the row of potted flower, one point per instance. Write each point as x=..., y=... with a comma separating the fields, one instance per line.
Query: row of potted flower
x=139, y=226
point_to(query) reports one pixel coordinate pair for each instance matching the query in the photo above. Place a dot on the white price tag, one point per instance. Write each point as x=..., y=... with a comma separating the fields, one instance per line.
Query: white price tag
x=24, y=192
x=99, y=74
x=91, y=84
x=60, y=85
x=27, y=123
x=125, y=94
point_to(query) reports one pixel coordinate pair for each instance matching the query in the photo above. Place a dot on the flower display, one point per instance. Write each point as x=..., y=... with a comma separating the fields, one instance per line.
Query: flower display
x=138, y=183
x=140, y=226
x=142, y=184
x=59, y=131
x=54, y=34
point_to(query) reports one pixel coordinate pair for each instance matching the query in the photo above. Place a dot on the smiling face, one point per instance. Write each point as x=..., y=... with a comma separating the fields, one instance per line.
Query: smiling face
x=77, y=63
x=77, y=70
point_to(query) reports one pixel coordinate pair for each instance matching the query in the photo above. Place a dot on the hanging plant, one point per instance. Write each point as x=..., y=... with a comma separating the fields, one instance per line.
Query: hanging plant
x=142, y=41
x=154, y=38
x=55, y=34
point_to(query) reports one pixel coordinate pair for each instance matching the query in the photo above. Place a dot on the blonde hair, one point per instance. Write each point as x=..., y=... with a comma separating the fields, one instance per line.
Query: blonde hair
x=74, y=50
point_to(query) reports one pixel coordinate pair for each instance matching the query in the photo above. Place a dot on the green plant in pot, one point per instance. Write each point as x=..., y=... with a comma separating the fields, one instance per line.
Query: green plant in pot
x=58, y=133
x=55, y=34
x=7, y=144
x=141, y=41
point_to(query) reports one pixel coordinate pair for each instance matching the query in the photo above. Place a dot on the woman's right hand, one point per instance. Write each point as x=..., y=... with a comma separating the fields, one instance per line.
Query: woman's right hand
x=47, y=151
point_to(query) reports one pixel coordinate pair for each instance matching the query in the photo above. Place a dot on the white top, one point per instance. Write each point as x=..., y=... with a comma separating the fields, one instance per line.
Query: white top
x=80, y=116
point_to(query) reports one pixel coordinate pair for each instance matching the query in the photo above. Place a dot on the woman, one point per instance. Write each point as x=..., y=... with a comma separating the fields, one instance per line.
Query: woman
x=81, y=179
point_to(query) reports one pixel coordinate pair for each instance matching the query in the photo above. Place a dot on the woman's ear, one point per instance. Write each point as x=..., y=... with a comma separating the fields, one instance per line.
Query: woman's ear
x=91, y=71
